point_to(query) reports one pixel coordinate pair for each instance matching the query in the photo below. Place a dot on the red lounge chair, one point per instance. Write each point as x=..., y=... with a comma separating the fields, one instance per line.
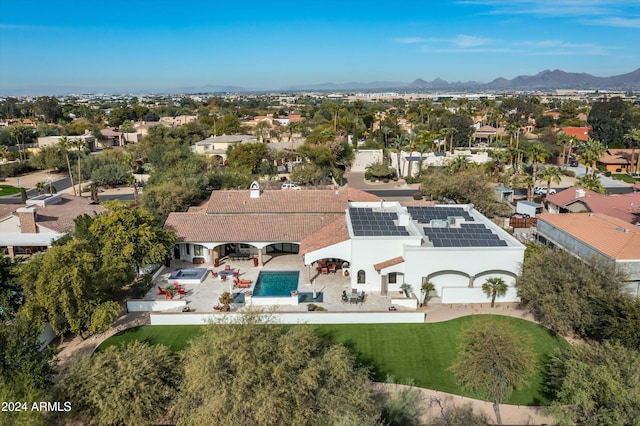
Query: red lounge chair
x=214, y=273
x=182, y=290
x=161, y=291
x=167, y=295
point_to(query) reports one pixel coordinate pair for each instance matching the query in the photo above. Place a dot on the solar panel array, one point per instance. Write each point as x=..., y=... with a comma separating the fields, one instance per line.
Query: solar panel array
x=468, y=235
x=427, y=214
x=366, y=222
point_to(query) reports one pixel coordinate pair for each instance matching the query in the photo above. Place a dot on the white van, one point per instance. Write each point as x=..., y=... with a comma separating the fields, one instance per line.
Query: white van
x=291, y=186
x=542, y=190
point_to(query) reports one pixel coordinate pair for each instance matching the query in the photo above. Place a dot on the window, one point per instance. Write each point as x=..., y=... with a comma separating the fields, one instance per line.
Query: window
x=197, y=250
x=188, y=245
x=393, y=278
x=361, y=276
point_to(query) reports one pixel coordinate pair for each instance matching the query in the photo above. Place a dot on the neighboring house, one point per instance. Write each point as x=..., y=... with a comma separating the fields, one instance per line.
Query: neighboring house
x=437, y=159
x=485, y=133
x=27, y=229
x=217, y=146
x=47, y=141
x=580, y=133
x=618, y=160
x=596, y=237
x=178, y=120
x=383, y=244
x=625, y=207
x=112, y=138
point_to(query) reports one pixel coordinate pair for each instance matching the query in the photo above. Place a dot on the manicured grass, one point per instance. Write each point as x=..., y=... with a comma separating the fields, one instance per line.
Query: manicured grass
x=420, y=353
x=624, y=177
x=8, y=190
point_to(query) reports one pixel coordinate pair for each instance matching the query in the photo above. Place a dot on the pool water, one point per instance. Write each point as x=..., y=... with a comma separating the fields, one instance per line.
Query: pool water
x=276, y=283
x=187, y=274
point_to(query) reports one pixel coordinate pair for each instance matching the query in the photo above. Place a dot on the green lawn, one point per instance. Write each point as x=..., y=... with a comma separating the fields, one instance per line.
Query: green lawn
x=624, y=177
x=421, y=353
x=8, y=190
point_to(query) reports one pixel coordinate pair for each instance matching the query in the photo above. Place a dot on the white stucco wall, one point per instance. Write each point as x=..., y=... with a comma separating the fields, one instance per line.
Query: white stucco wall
x=475, y=295
x=154, y=305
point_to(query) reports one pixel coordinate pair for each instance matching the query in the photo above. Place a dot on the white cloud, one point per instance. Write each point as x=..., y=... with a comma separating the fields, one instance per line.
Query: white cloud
x=409, y=40
x=471, y=41
x=615, y=21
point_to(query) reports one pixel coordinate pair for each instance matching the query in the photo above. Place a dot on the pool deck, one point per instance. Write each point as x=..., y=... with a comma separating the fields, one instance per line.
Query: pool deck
x=203, y=297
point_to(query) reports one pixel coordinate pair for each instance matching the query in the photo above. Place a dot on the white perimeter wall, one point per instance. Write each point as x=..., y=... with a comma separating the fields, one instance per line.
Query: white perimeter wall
x=154, y=305
x=475, y=295
x=396, y=317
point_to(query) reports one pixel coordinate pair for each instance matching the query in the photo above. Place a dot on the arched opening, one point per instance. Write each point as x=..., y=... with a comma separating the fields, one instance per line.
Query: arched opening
x=361, y=277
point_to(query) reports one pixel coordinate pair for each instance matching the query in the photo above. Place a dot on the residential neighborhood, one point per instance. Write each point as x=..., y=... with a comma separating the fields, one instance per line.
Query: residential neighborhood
x=397, y=217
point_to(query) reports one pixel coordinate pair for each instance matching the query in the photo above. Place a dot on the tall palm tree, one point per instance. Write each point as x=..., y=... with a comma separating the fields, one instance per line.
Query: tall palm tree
x=536, y=154
x=500, y=158
x=528, y=180
x=412, y=140
x=80, y=145
x=551, y=174
x=493, y=287
x=3, y=152
x=634, y=136
x=590, y=153
x=64, y=146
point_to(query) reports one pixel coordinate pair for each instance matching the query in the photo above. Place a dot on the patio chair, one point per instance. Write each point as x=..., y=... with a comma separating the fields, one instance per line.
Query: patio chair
x=182, y=291
x=362, y=296
x=332, y=268
x=176, y=284
x=161, y=291
x=227, y=267
x=236, y=273
x=167, y=295
x=325, y=271
x=345, y=298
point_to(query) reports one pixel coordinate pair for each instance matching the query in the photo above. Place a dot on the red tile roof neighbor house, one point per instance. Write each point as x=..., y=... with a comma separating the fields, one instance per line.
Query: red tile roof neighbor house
x=580, y=133
x=608, y=235
x=575, y=199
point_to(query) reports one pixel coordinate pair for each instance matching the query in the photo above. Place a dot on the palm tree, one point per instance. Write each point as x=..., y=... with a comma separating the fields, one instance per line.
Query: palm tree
x=591, y=182
x=494, y=287
x=427, y=288
x=80, y=145
x=590, y=153
x=500, y=158
x=3, y=152
x=457, y=164
x=64, y=145
x=528, y=180
x=634, y=136
x=551, y=174
x=411, y=148
x=536, y=153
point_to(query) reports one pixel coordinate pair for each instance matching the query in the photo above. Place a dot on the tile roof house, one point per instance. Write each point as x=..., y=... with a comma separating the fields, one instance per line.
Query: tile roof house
x=217, y=146
x=625, y=207
x=27, y=229
x=596, y=236
x=580, y=133
x=618, y=160
x=384, y=244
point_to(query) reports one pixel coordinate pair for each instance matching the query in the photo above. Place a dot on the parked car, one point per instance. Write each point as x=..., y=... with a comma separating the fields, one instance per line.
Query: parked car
x=572, y=162
x=542, y=190
x=291, y=186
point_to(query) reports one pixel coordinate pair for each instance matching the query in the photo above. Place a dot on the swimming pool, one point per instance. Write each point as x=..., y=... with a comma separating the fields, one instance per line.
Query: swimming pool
x=276, y=283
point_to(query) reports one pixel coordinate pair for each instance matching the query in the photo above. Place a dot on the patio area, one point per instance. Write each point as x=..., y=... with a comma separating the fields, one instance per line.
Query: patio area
x=204, y=296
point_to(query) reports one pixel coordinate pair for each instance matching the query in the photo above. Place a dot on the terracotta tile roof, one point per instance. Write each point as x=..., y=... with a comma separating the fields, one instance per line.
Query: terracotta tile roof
x=581, y=133
x=285, y=202
x=380, y=266
x=624, y=207
x=608, y=235
x=59, y=217
x=417, y=203
x=198, y=227
x=619, y=156
x=333, y=233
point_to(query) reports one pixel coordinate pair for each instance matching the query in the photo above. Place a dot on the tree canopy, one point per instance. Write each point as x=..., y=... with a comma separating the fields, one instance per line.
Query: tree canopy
x=256, y=373
x=493, y=361
x=127, y=385
x=596, y=384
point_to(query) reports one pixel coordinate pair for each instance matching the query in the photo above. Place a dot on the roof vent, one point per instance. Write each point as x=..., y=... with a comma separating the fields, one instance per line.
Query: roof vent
x=580, y=193
x=255, y=189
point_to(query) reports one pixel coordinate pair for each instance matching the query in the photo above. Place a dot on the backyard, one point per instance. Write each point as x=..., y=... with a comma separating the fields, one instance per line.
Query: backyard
x=8, y=190
x=420, y=353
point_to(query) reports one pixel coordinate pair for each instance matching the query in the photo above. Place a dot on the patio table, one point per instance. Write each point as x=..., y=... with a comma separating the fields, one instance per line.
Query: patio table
x=353, y=297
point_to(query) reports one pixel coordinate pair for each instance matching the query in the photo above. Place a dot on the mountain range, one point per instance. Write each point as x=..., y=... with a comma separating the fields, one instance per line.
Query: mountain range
x=545, y=80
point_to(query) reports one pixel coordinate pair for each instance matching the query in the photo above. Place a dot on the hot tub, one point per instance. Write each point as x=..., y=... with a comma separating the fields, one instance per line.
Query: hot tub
x=188, y=276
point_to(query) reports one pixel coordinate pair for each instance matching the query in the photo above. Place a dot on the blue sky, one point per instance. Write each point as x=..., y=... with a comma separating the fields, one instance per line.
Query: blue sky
x=155, y=45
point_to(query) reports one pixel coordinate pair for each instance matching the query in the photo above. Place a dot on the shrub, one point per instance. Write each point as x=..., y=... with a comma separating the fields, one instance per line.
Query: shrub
x=607, y=174
x=569, y=173
x=418, y=195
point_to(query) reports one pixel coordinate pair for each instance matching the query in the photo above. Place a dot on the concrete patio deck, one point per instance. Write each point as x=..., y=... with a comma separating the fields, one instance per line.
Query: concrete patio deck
x=203, y=297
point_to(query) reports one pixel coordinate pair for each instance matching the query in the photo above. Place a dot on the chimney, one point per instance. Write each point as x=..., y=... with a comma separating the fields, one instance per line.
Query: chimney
x=580, y=193
x=27, y=216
